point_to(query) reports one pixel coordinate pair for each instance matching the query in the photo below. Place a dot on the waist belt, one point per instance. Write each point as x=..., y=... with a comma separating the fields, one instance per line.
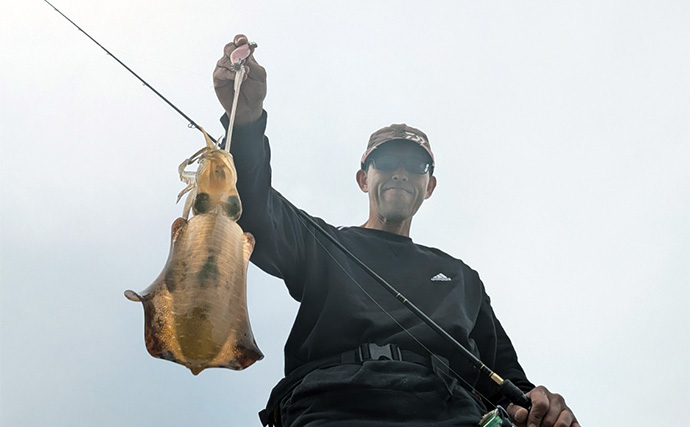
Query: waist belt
x=372, y=351
x=364, y=352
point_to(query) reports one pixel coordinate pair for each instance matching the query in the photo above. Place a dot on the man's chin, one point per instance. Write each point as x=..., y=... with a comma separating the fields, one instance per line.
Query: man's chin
x=396, y=200
x=396, y=216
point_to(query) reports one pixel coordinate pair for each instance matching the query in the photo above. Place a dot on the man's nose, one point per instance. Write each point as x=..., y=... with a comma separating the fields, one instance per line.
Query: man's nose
x=400, y=174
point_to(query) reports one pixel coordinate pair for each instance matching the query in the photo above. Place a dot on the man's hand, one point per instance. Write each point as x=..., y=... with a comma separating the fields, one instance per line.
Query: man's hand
x=548, y=410
x=253, y=89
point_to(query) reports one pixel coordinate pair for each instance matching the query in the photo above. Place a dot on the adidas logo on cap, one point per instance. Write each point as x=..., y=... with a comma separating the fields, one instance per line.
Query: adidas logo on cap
x=440, y=277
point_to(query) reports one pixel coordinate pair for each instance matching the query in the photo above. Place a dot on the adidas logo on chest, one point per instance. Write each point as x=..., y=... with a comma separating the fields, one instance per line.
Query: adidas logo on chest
x=440, y=277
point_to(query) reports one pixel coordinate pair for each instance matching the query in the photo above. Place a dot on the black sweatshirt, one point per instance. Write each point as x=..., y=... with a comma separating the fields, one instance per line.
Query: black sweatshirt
x=335, y=315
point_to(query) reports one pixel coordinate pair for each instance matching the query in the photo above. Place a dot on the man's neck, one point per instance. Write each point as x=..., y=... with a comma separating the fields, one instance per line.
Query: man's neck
x=400, y=228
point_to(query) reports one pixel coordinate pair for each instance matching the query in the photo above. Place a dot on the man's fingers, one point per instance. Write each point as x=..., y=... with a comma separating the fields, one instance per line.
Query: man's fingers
x=236, y=42
x=565, y=419
x=521, y=415
x=240, y=39
x=258, y=72
x=540, y=406
x=223, y=76
x=228, y=49
x=548, y=409
x=517, y=413
x=558, y=414
x=225, y=63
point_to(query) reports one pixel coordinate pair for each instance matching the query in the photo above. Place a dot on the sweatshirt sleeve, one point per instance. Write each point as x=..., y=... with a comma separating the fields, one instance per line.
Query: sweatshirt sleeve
x=273, y=220
x=497, y=352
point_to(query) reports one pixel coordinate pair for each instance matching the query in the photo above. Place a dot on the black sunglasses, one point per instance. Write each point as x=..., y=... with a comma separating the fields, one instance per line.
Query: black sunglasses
x=390, y=163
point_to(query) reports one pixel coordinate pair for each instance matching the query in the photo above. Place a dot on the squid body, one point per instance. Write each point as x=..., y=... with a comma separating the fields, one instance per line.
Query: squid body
x=195, y=312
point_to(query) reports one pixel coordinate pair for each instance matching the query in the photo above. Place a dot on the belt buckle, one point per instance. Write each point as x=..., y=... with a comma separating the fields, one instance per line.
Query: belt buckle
x=372, y=351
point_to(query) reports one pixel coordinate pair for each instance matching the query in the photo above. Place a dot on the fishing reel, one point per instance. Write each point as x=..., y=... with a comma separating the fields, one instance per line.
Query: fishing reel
x=497, y=418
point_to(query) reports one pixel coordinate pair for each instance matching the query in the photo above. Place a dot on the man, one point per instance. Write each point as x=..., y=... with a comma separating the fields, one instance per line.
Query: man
x=355, y=355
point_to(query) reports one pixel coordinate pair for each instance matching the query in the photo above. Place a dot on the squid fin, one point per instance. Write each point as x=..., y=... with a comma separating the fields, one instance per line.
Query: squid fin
x=132, y=296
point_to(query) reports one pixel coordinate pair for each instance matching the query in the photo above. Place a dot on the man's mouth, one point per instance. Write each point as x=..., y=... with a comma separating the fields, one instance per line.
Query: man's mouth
x=407, y=190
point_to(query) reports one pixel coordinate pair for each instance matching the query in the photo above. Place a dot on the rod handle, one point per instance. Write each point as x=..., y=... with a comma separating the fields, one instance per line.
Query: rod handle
x=515, y=395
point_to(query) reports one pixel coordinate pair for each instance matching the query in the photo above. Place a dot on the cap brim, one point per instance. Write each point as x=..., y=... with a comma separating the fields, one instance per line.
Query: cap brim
x=380, y=143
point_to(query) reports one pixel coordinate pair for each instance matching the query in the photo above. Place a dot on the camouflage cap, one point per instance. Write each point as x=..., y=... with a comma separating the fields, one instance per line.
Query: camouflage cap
x=397, y=132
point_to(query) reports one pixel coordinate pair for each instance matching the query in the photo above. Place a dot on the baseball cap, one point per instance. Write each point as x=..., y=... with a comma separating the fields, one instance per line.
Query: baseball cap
x=397, y=132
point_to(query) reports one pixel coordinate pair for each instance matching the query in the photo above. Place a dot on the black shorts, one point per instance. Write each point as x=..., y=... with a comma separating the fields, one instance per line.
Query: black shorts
x=377, y=394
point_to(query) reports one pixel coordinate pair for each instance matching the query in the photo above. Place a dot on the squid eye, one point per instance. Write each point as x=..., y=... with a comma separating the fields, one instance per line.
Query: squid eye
x=202, y=203
x=233, y=207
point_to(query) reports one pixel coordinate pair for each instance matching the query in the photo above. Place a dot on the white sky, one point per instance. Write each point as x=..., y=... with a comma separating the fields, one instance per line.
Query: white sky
x=561, y=131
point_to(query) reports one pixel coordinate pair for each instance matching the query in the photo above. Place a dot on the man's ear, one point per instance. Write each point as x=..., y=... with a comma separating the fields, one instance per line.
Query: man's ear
x=430, y=186
x=362, y=180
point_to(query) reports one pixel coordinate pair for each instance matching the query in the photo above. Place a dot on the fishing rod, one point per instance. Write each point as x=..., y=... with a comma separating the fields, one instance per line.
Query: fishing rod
x=507, y=388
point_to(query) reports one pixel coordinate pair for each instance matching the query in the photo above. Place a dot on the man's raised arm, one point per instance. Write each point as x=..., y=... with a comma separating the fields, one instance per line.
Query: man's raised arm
x=272, y=220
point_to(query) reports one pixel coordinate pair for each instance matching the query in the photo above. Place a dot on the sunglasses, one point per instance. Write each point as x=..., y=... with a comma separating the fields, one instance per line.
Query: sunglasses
x=390, y=163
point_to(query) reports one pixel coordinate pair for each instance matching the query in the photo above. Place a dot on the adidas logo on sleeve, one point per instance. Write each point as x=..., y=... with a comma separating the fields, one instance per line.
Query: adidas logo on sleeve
x=440, y=277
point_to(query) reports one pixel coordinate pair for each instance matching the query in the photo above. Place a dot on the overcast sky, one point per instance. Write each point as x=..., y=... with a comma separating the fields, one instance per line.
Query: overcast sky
x=561, y=132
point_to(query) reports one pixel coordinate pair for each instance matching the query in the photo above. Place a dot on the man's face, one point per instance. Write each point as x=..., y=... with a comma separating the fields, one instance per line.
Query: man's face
x=395, y=196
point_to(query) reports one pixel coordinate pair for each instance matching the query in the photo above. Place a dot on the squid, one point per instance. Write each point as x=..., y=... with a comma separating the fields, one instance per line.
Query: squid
x=195, y=312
